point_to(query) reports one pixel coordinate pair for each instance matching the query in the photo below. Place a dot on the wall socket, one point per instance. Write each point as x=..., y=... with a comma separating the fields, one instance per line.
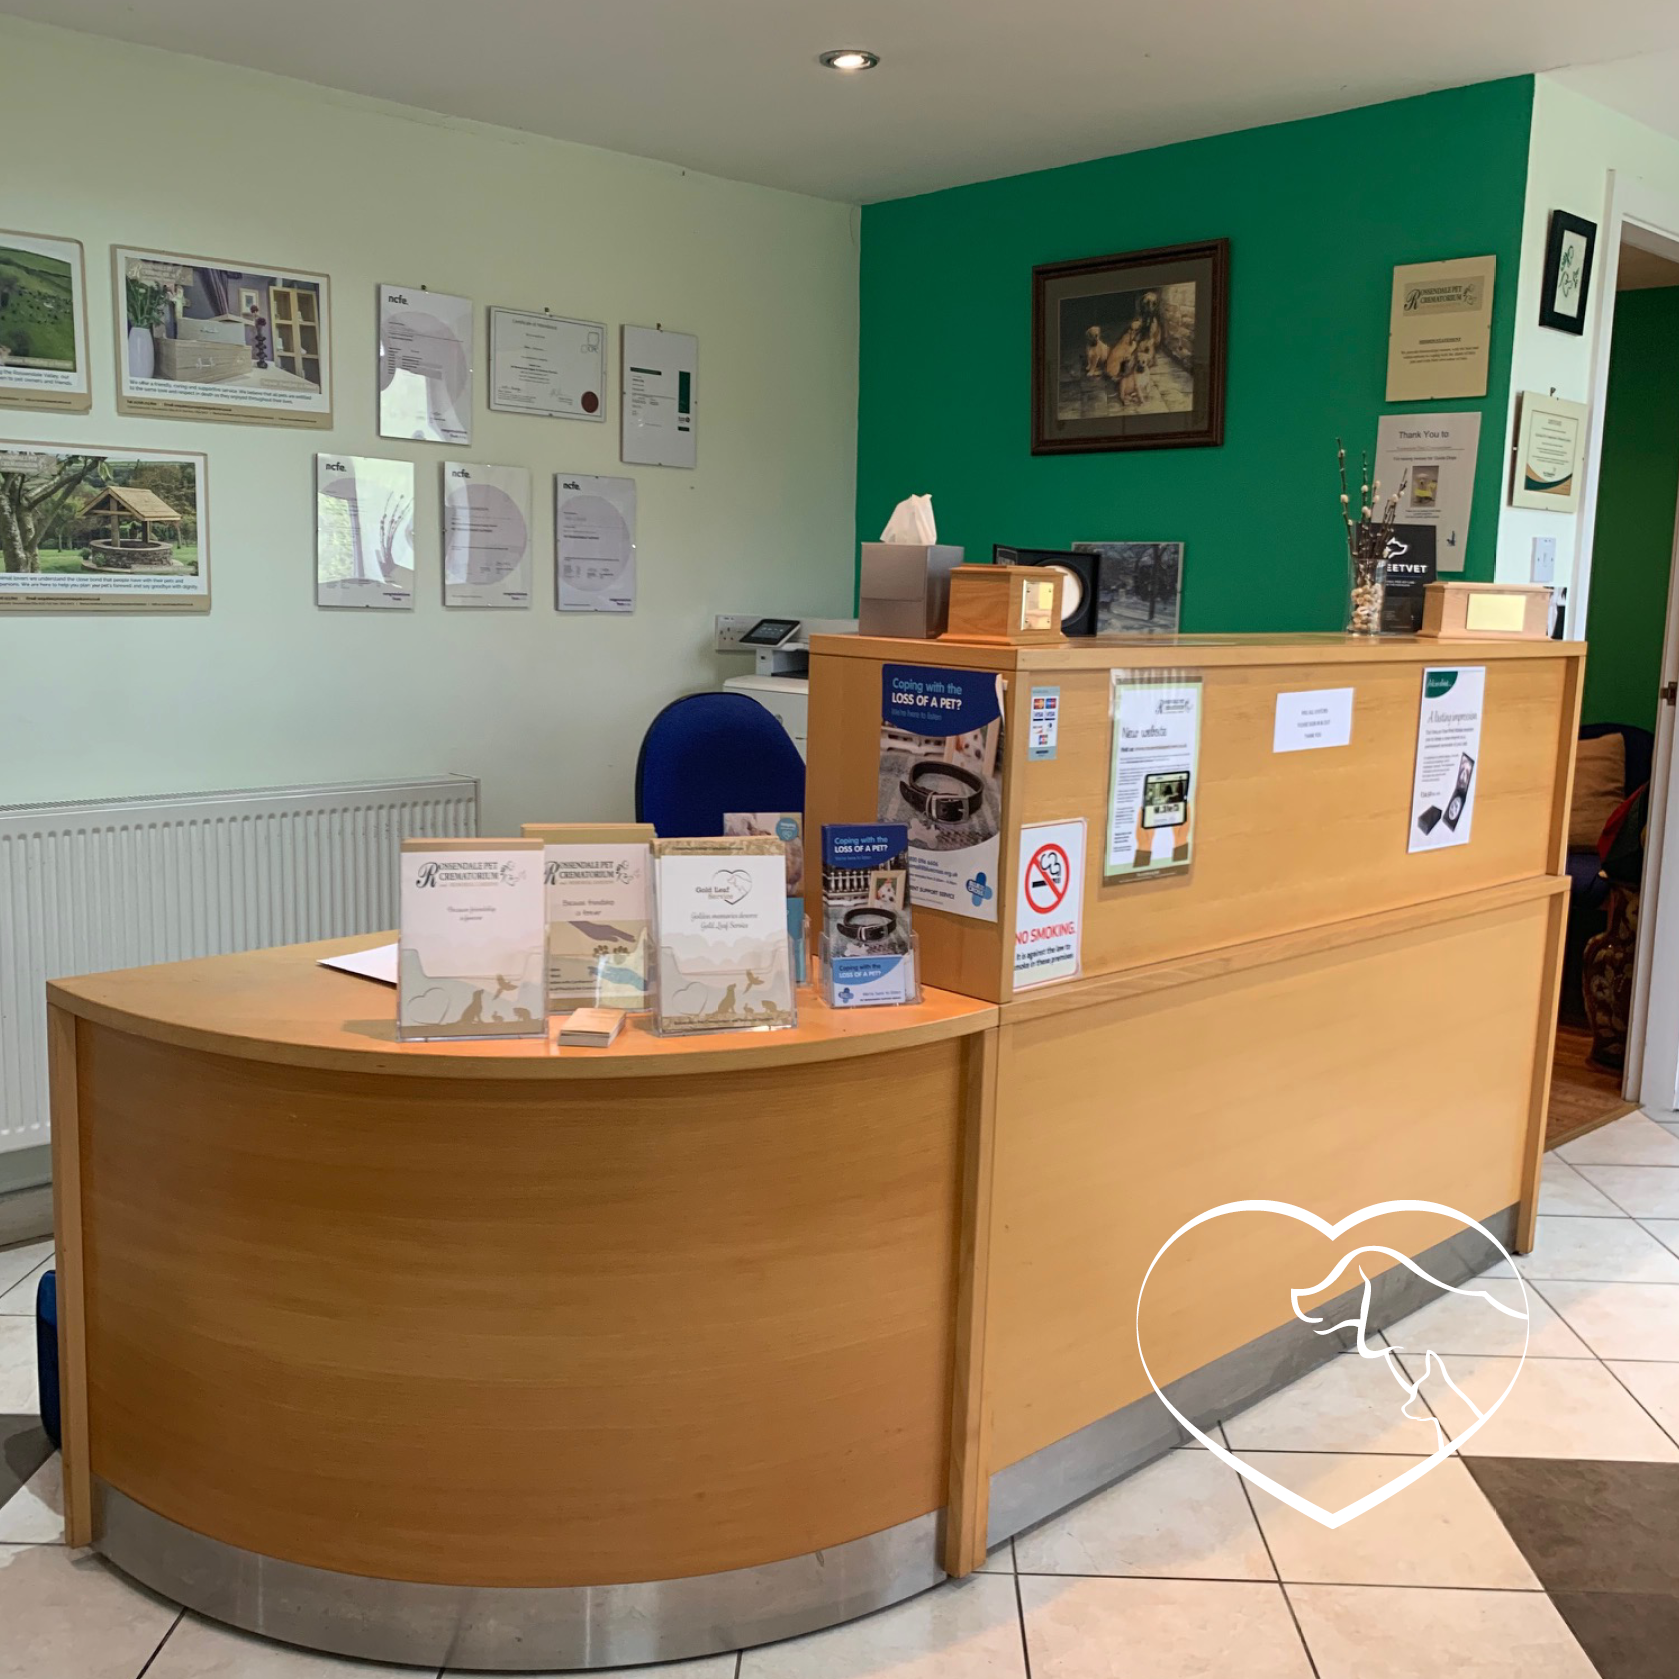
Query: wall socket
x=731, y=626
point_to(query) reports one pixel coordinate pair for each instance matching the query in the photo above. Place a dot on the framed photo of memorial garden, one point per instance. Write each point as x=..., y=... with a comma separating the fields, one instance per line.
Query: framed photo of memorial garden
x=1128, y=350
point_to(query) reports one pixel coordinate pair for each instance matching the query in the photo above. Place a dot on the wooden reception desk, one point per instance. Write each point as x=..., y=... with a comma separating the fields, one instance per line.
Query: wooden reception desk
x=508, y=1356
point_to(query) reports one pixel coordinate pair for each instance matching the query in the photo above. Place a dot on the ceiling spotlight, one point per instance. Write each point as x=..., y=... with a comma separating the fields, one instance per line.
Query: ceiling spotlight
x=849, y=59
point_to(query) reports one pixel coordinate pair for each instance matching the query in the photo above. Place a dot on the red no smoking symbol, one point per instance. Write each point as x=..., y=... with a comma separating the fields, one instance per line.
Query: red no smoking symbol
x=1047, y=877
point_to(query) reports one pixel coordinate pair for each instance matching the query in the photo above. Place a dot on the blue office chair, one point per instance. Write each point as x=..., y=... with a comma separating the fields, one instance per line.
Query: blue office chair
x=706, y=754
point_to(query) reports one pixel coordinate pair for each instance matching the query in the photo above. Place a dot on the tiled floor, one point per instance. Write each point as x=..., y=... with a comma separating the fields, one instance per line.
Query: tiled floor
x=1548, y=1548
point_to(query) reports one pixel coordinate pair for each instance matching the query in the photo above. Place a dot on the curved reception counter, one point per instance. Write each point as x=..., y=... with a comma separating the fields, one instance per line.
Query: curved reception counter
x=503, y=1355
x=509, y=1356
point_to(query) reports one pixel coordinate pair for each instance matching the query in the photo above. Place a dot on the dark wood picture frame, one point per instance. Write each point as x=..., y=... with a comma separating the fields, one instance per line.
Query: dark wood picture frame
x=1056, y=285
x=1562, y=224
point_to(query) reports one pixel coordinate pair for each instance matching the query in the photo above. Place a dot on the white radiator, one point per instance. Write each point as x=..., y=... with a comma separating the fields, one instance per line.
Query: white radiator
x=95, y=885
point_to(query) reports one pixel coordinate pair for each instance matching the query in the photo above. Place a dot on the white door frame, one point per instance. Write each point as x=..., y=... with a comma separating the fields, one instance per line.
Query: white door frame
x=1642, y=216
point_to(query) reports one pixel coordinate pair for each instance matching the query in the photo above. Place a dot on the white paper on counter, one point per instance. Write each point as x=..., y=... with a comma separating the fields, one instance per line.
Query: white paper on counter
x=378, y=963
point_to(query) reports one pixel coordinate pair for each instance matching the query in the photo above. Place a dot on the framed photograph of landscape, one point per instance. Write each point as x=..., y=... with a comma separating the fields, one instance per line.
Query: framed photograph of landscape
x=1128, y=350
x=208, y=340
x=115, y=530
x=1569, y=248
x=43, y=324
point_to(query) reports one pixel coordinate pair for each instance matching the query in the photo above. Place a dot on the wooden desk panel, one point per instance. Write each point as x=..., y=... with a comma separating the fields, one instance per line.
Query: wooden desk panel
x=1400, y=1067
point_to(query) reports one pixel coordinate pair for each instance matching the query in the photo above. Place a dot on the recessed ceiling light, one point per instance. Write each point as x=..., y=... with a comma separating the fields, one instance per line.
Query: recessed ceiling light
x=850, y=59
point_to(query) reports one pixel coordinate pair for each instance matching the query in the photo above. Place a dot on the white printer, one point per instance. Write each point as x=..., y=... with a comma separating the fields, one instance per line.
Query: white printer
x=780, y=680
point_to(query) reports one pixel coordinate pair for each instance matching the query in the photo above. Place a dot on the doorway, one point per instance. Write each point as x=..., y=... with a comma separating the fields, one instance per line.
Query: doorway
x=1614, y=990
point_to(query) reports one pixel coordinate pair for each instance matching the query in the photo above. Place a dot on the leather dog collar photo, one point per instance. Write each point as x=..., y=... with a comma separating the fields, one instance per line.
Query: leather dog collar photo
x=959, y=798
x=868, y=926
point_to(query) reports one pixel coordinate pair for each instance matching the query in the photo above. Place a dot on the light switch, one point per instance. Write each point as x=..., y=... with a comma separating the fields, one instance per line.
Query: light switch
x=1544, y=559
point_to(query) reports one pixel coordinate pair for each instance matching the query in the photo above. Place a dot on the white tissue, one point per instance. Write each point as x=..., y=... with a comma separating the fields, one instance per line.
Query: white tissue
x=912, y=522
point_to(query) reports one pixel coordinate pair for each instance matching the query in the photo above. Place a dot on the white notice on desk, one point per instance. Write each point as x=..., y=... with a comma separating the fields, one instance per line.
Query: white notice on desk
x=594, y=543
x=1448, y=745
x=1318, y=717
x=660, y=425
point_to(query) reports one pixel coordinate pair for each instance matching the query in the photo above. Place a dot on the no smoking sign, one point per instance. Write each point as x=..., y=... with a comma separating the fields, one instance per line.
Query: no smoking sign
x=1047, y=875
x=1049, y=903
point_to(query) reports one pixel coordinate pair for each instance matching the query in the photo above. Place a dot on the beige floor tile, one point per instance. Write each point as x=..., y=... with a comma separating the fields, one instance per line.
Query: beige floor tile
x=1605, y=1250
x=203, y=1650
x=1655, y=1387
x=1185, y=1516
x=1642, y=1191
x=1160, y=1629
x=20, y=1390
x=1457, y=1323
x=1389, y=1632
x=18, y=1268
x=1559, y=1407
x=1562, y=1191
x=1631, y=1141
x=999, y=1560
x=1350, y=1404
x=34, y=1514
x=1439, y=1531
x=969, y=1629
x=1621, y=1320
x=1665, y=1230
x=65, y=1615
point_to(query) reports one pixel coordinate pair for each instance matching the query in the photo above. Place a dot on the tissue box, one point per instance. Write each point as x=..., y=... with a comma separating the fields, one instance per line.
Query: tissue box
x=906, y=589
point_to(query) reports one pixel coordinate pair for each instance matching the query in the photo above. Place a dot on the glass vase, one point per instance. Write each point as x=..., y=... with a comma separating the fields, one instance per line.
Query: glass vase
x=1367, y=568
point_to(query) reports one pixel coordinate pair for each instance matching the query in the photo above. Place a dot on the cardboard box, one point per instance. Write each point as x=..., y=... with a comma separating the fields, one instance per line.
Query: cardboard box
x=906, y=589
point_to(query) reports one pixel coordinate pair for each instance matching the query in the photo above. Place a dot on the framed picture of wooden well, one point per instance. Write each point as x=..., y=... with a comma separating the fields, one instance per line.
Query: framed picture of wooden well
x=115, y=530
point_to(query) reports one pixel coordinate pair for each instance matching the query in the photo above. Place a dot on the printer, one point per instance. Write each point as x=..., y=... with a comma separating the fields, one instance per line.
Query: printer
x=780, y=649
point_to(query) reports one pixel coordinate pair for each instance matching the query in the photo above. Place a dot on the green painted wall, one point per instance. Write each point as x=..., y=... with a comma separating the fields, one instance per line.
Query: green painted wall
x=1632, y=550
x=1317, y=213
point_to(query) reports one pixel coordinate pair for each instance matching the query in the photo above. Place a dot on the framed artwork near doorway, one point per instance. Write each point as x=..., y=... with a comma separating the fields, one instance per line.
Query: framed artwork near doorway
x=1569, y=249
x=1128, y=350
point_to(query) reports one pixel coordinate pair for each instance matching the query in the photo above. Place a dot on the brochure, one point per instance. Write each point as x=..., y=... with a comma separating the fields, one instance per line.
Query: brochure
x=472, y=935
x=600, y=916
x=1151, y=790
x=724, y=961
x=941, y=775
x=788, y=826
x=868, y=949
x=1448, y=751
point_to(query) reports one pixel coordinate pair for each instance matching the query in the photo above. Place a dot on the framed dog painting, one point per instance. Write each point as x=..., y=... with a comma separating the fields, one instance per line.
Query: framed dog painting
x=1128, y=351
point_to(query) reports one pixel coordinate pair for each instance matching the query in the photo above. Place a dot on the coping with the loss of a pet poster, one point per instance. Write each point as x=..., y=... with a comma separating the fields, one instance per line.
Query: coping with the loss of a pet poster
x=1128, y=351
x=941, y=774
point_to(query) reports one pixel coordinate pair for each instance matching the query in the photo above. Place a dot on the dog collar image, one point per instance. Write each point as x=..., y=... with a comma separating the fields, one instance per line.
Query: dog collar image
x=941, y=804
x=868, y=926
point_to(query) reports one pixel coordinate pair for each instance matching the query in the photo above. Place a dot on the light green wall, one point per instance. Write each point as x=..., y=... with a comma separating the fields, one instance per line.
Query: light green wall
x=1638, y=486
x=108, y=143
x=1318, y=213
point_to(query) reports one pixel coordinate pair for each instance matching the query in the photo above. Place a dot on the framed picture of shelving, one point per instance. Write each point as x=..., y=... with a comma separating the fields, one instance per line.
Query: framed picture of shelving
x=206, y=339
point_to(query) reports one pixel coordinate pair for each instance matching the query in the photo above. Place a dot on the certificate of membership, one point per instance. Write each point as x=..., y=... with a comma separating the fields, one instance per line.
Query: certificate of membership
x=470, y=962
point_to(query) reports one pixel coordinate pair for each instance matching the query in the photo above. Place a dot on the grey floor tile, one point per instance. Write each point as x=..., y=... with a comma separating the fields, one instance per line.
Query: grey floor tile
x=1643, y=1191
x=1563, y=1192
x=66, y=1615
x=34, y=1515
x=1605, y=1250
x=199, y=1649
x=1159, y=1629
x=1620, y=1320
x=18, y=1269
x=20, y=1388
x=1396, y=1632
x=24, y=1447
x=1633, y=1140
x=969, y=1629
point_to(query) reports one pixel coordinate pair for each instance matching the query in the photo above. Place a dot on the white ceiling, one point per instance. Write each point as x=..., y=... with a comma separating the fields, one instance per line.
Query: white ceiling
x=967, y=90
x=1642, y=88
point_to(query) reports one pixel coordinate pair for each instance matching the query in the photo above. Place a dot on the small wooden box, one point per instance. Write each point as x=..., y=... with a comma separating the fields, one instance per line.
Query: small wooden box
x=1486, y=612
x=1005, y=605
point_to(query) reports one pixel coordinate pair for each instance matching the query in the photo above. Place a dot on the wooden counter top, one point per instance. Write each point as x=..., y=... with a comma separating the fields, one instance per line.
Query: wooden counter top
x=281, y=1006
x=1201, y=652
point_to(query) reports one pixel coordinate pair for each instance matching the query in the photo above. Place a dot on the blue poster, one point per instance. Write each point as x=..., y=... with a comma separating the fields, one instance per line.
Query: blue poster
x=941, y=776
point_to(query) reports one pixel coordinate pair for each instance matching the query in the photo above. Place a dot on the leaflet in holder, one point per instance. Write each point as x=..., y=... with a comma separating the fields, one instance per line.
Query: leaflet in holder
x=600, y=915
x=725, y=960
x=472, y=941
x=867, y=949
